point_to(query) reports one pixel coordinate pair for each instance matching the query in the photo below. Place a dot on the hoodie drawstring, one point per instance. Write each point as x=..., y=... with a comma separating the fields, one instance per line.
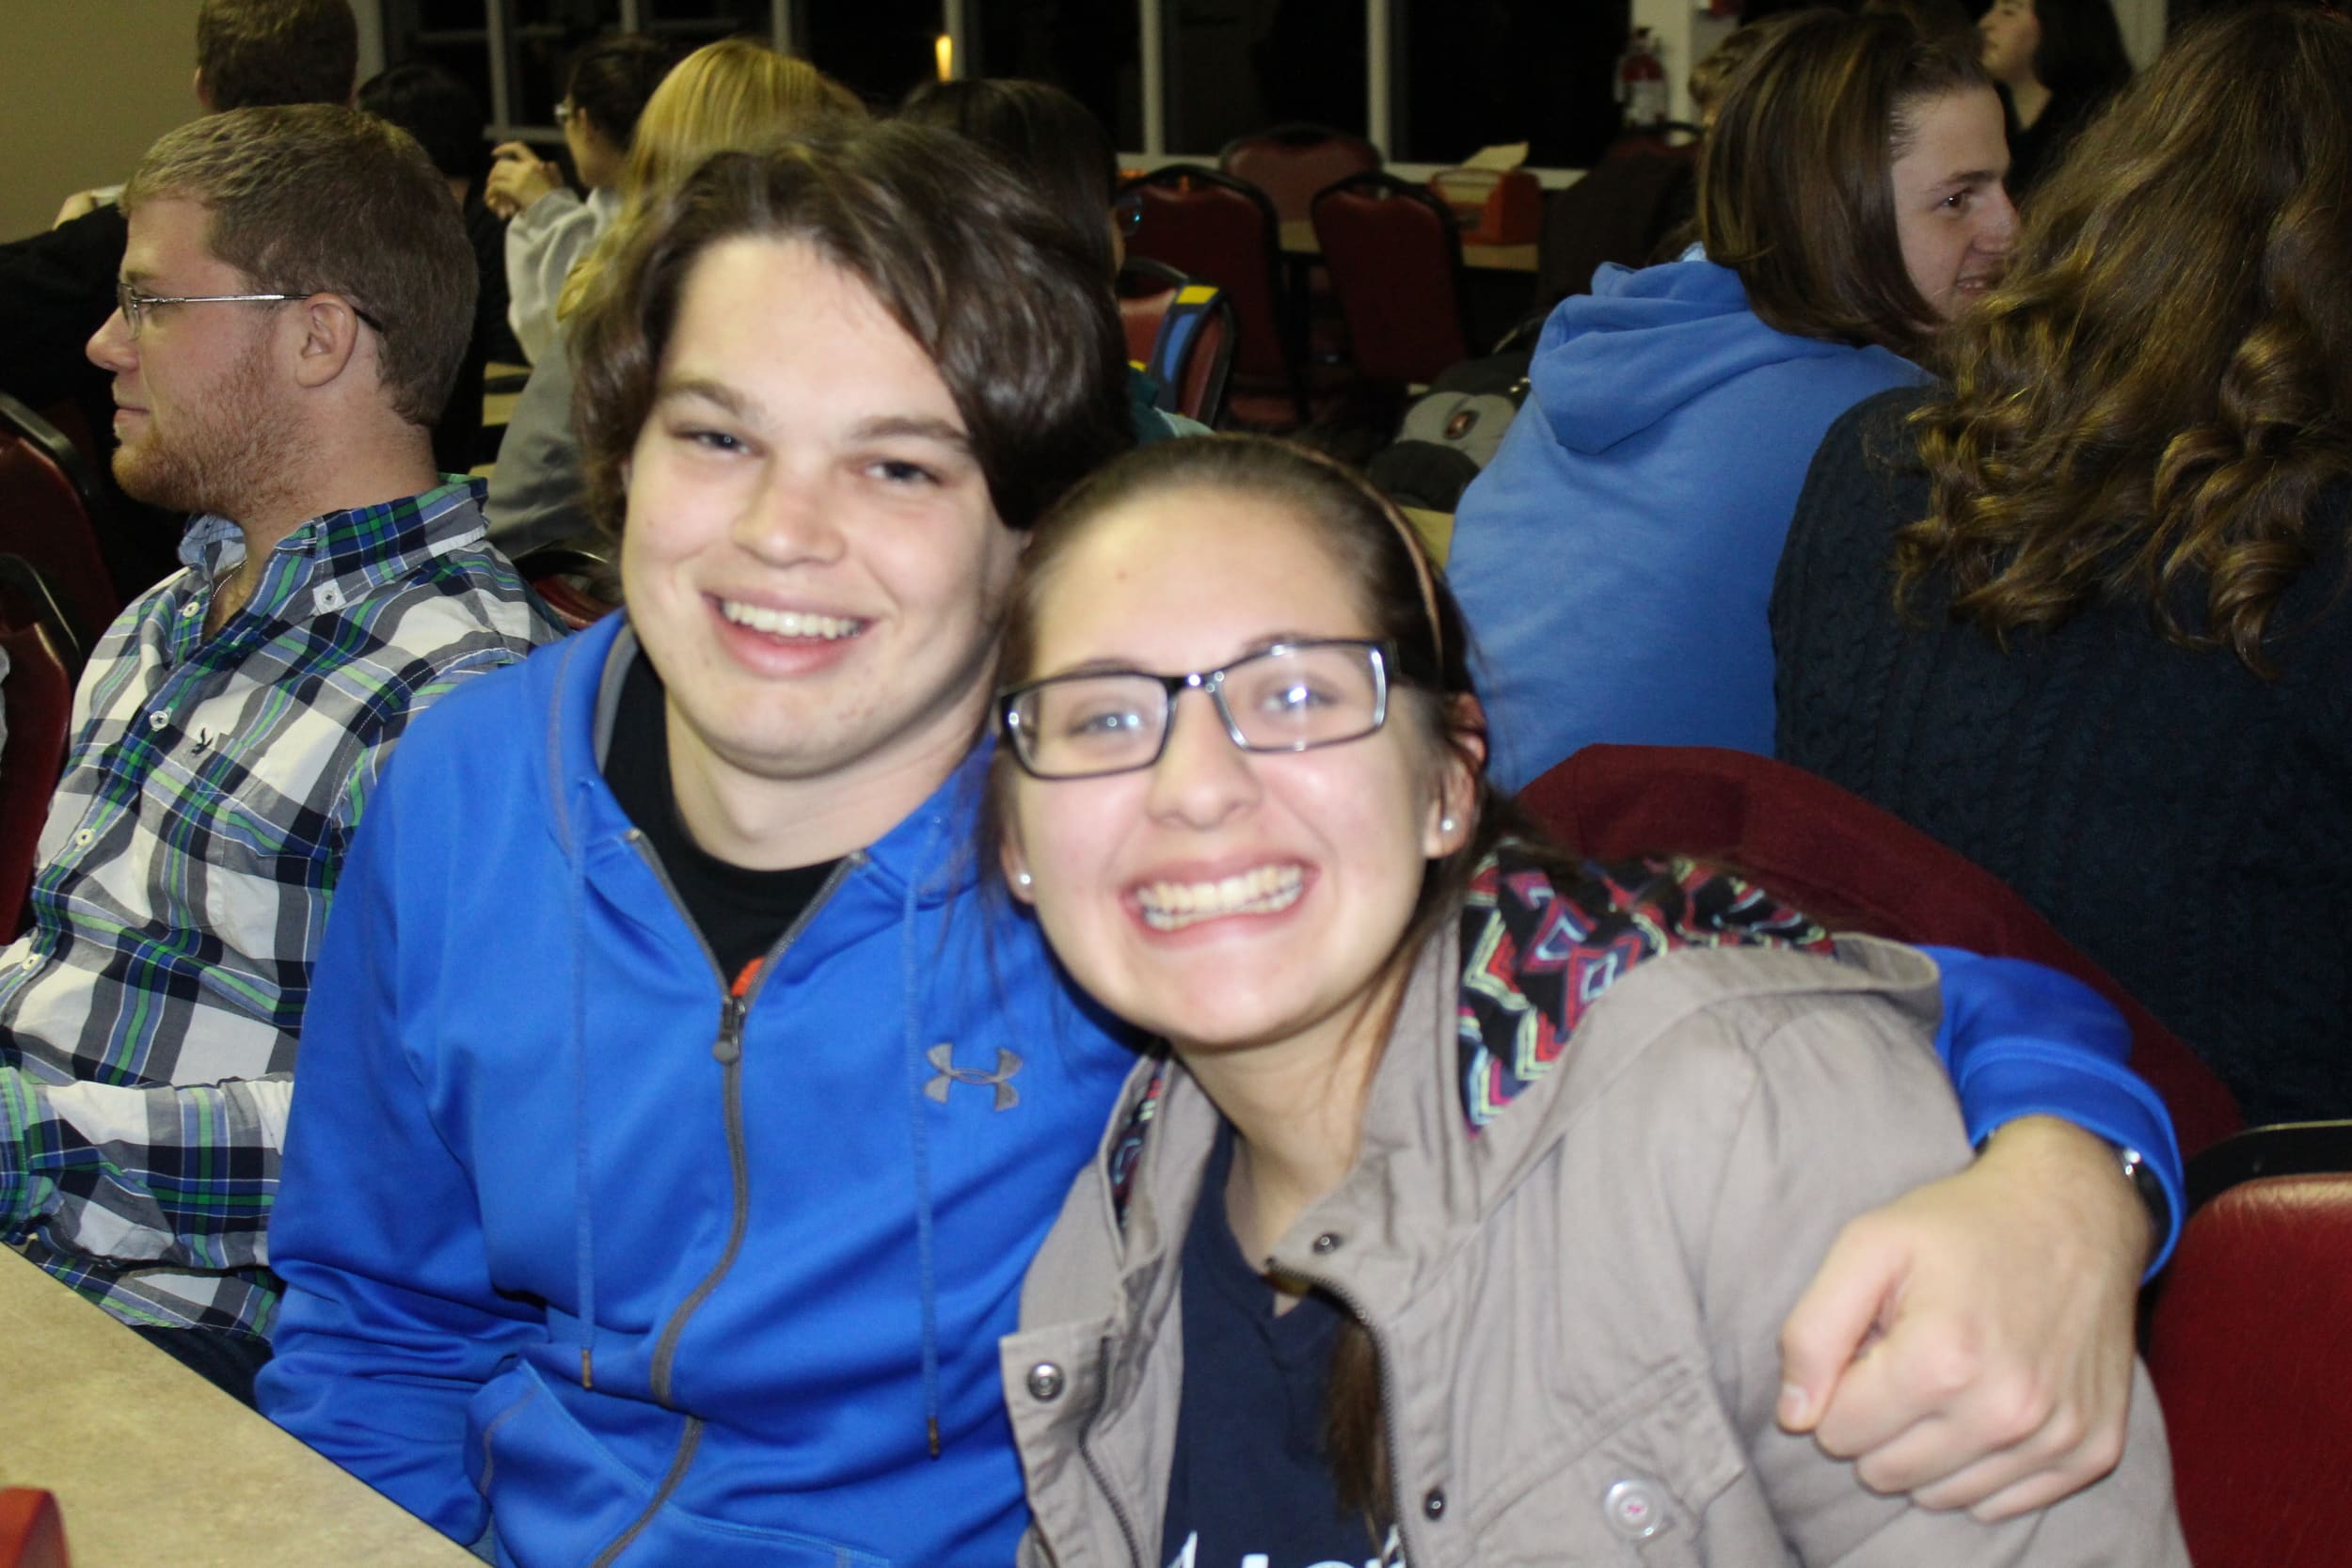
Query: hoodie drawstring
x=583, y=1209
x=917, y=1066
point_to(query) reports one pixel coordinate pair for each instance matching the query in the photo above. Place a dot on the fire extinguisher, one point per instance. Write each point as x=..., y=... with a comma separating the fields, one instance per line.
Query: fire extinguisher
x=1642, y=82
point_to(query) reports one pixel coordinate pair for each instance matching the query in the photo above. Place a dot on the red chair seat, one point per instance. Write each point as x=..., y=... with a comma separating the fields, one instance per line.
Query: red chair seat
x=2250, y=1343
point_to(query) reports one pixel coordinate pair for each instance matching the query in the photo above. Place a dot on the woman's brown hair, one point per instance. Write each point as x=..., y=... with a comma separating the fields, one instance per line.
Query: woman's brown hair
x=2153, y=399
x=1796, y=191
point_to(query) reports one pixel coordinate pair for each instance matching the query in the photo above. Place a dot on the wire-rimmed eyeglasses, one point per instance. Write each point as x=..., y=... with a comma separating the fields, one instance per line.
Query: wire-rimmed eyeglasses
x=1293, y=697
x=135, y=305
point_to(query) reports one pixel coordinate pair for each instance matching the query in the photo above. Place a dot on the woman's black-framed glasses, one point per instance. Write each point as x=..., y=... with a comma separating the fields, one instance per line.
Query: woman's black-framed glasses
x=1293, y=697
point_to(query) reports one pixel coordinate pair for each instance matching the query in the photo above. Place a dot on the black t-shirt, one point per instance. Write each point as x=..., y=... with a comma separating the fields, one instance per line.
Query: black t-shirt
x=1251, y=1486
x=740, y=913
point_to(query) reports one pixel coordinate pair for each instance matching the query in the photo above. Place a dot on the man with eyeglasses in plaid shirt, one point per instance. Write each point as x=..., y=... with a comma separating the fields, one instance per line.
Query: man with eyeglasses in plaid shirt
x=294, y=302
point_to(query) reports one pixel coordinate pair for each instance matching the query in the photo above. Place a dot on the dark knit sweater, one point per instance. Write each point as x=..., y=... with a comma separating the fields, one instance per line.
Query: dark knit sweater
x=2185, y=822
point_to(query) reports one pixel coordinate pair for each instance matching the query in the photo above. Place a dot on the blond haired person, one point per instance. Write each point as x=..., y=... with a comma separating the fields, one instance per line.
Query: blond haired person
x=728, y=96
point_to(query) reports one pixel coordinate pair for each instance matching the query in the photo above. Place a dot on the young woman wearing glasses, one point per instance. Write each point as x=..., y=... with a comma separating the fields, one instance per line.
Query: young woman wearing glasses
x=1460, y=1218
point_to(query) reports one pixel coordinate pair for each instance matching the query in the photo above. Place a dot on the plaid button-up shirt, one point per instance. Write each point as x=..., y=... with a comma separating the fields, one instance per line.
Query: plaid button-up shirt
x=148, y=1019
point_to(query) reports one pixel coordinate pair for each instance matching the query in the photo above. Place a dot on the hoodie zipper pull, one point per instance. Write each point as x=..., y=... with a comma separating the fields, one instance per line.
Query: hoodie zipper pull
x=729, y=1048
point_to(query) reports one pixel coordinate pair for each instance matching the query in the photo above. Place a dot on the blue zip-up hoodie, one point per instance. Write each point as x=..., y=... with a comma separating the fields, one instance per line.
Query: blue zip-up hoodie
x=1615, y=560
x=668, y=1276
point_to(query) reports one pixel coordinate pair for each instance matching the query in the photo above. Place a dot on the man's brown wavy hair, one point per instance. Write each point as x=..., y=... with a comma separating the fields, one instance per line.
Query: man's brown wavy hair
x=977, y=270
x=2153, y=401
x=1796, y=184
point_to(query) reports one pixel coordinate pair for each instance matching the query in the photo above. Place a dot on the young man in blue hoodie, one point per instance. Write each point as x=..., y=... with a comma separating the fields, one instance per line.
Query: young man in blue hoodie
x=683, y=1122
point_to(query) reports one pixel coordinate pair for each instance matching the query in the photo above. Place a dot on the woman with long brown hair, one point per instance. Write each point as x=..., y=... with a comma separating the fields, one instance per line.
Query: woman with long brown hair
x=2111, y=663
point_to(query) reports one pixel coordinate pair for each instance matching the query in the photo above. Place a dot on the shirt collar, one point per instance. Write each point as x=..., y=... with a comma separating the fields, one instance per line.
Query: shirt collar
x=354, y=550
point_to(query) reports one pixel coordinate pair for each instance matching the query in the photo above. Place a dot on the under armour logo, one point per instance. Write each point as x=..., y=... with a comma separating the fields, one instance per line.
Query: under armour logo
x=943, y=1056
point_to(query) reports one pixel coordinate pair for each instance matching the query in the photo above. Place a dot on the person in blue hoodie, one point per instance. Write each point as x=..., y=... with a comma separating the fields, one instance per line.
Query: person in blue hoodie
x=675, y=1126
x=1615, y=558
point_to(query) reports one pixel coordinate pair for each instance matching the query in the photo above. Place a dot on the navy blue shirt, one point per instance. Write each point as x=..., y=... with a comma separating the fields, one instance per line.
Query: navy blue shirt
x=1251, y=1486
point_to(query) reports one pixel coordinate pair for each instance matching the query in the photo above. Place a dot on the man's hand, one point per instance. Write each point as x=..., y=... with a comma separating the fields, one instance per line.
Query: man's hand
x=1971, y=1342
x=80, y=204
x=519, y=177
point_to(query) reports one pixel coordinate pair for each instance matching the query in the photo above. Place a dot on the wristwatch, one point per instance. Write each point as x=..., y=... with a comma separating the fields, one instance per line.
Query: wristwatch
x=2142, y=1175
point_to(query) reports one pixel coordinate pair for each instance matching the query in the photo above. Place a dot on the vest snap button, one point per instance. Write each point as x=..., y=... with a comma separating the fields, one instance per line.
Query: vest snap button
x=1433, y=1505
x=1328, y=1242
x=1045, y=1381
x=1632, y=1510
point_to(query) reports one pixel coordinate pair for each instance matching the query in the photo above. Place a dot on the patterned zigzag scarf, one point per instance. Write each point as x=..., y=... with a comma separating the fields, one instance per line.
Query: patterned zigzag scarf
x=1536, y=954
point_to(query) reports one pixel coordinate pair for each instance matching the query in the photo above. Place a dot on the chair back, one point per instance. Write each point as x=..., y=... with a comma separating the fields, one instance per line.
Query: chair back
x=1845, y=861
x=2250, y=1343
x=1395, y=259
x=48, y=496
x=1291, y=162
x=1224, y=231
x=39, y=694
x=1620, y=212
x=581, y=585
x=1181, y=333
x=32, y=1533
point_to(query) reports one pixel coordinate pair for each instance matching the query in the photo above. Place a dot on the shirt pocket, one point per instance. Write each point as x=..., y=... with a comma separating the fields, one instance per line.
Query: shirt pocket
x=249, y=840
x=1628, y=1486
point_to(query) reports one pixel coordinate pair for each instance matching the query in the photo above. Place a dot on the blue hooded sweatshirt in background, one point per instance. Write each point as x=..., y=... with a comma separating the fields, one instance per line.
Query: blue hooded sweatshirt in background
x=1615, y=558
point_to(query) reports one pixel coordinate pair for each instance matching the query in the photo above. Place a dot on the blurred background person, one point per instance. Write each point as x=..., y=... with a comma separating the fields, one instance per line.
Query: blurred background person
x=1615, y=558
x=552, y=226
x=733, y=95
x=2108, y=661
x=446, y=118
x=2057, y=62
x=1061, y=152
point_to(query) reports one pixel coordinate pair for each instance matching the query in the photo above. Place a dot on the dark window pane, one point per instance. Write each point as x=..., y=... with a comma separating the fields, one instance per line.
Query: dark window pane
x=1469, y=73
x=880, y=48
x=541, y=36
x=688, y=24
x=447, y=33
x=1242, y=65
x=1090, y=49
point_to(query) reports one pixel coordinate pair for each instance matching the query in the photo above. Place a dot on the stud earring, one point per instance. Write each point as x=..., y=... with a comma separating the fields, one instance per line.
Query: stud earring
x=1446, y=824
x=1022, y=879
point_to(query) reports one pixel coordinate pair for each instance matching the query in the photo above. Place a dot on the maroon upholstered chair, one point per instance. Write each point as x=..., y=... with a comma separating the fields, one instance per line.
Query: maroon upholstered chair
x=578, y=583
x=47, y=499
x=1620, y=211
x=1191, y=361
x=38, y=691
x=1846, y=861
x=1395, y=257
x=2250, y=1342
x=1209, y=226
x=1291, y=162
